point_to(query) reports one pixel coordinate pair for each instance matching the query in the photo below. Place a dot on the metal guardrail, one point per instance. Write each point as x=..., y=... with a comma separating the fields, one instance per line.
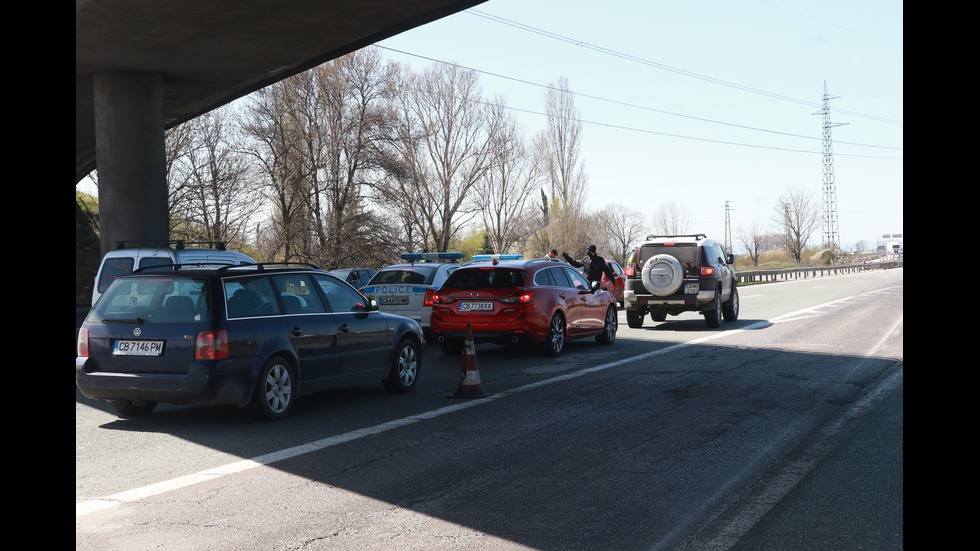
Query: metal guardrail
x=805, y=272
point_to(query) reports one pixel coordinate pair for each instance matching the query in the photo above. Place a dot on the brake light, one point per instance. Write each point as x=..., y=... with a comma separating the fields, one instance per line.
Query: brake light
x=707, y=270
x=630, y=270
x=82, y=348
x=427, y=301
x=523, y=298
x=442, y=299
x=211, y=345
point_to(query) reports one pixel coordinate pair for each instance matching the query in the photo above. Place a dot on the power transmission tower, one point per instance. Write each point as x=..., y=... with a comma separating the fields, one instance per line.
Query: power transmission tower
x=728, y=227
x=831, y=228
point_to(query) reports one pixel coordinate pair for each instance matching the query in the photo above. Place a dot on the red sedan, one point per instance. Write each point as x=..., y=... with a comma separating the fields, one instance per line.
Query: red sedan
x=615, y=287
x=508, y=301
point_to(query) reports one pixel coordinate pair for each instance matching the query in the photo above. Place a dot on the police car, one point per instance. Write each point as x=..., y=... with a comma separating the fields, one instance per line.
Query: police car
x=406, y=289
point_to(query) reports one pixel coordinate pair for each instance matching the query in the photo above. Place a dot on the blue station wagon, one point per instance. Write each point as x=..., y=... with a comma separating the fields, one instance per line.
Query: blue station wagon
x=255, y=336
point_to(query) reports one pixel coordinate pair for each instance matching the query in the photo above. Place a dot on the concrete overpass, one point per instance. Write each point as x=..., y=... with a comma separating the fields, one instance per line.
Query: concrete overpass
x=144, y=67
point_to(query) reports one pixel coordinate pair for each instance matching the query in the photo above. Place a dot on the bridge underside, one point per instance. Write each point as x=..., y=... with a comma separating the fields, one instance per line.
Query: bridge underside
x=144, y=67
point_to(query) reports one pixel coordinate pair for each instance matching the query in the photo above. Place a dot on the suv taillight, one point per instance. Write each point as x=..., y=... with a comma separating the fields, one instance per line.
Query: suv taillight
x=707, y=270
x=211, y=345
x=82, y=348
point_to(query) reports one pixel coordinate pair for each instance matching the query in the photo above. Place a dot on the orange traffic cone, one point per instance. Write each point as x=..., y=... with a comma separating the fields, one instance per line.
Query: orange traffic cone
x=469, y=384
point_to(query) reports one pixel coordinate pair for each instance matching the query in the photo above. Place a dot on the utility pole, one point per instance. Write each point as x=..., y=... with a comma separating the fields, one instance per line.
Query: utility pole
x=728, y=227
x=831, y=228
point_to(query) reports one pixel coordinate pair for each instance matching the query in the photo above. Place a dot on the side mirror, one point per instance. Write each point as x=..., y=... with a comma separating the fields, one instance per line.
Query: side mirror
x=731, y=258
x=594, y=285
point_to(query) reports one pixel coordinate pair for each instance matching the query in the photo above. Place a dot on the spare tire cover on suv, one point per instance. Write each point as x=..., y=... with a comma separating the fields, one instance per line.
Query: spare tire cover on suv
x=662, y=275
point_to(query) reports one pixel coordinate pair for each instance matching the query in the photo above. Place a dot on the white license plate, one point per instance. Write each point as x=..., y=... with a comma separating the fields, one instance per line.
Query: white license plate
x=394, y=300
x=691, y=288
x=475, y=306
x=138, y=348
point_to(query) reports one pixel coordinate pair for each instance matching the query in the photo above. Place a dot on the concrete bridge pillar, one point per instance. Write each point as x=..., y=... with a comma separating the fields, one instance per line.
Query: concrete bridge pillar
x=131, y=157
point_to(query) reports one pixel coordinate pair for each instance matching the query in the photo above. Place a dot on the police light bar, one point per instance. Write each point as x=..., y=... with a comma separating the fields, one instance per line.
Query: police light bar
x=497, y=257
x=412, y=257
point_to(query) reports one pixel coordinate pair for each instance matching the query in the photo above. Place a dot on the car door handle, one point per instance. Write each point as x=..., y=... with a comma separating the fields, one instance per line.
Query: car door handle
x=562, y=295
x=345, y=328
x=295, y=331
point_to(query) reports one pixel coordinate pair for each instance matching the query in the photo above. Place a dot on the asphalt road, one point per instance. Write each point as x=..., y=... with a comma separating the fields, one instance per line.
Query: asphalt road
x=780, y=431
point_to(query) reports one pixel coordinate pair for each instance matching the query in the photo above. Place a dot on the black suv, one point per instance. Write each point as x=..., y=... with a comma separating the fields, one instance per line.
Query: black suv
x=256, y=335
x=670, y=274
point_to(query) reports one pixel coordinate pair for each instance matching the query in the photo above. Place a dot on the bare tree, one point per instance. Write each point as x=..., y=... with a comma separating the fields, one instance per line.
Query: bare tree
x=796, y=217
x=623, y=227
x=276, y=145
x=560, y=146
x=756, y=239
x=446, y=145
x=505, y=195
x=219, y=196
x=672, y=219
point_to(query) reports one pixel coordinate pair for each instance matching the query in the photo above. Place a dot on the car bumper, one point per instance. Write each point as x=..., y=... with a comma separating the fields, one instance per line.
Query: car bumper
x=633, y=300
x=488, y=332
x=222, y=383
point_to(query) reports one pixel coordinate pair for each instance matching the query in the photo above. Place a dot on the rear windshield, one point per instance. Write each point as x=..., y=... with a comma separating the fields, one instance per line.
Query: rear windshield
x=685, y=253
x=154, y=300
x=414, y=275
x=485, y=278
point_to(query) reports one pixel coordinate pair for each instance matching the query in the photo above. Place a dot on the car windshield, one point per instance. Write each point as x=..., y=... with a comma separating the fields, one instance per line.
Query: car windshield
x=153, y=300
x=485, y=278
x=413, y=275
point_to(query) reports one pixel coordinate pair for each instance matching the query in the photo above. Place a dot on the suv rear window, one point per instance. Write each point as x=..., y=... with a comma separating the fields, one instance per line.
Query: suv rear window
x=685, y=253
x=154, y=300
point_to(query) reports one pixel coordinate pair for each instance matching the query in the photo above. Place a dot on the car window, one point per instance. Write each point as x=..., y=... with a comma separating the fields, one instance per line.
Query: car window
x=340, y=297
x=683, y=252
x=559, y=277
x=577, y=280
x=485, y=278
x=156, y=300
x=113, y=268
x=250, y=296
x=297, y=294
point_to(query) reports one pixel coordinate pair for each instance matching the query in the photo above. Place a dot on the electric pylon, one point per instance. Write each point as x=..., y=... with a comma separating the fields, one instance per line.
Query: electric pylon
x=831, y=228
x=728, y=227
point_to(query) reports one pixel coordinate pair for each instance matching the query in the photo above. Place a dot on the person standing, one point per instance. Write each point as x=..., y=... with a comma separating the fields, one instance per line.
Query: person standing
x=553, y=253
x=593, y=264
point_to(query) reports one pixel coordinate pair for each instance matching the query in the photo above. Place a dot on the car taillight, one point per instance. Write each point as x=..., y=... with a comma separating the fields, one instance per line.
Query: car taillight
x=523, y=298
x=211, y=345
x=707, y=270
x=630, y=270
x=441, y=299
x=428, y=297
x=82, y=348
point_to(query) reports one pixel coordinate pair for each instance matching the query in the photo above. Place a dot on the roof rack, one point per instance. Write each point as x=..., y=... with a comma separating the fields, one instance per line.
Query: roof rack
x=695, y=236
x=177, y=244
x=261, y=266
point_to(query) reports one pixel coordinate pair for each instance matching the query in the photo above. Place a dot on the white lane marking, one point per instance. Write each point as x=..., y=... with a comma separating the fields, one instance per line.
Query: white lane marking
x=127, y=496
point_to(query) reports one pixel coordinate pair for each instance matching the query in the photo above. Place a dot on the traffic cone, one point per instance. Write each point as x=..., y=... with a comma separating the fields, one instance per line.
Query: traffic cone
x=469, y=377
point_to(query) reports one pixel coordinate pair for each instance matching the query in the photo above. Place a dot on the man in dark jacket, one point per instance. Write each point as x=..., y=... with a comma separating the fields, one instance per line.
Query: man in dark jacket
x=593, y=264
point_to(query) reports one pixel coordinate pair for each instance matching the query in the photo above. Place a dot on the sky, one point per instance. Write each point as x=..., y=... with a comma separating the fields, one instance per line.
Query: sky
x=713, y=105
x=703, y=104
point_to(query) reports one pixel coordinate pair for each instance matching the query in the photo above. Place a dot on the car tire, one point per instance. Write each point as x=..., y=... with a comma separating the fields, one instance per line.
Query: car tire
x=634, y=319
x=662, y=275
x=405, y=367
x=609, y=326
x=730, y=308
x=132, y=408
x=712, y=317
x=555, y=341
x=275, y=390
